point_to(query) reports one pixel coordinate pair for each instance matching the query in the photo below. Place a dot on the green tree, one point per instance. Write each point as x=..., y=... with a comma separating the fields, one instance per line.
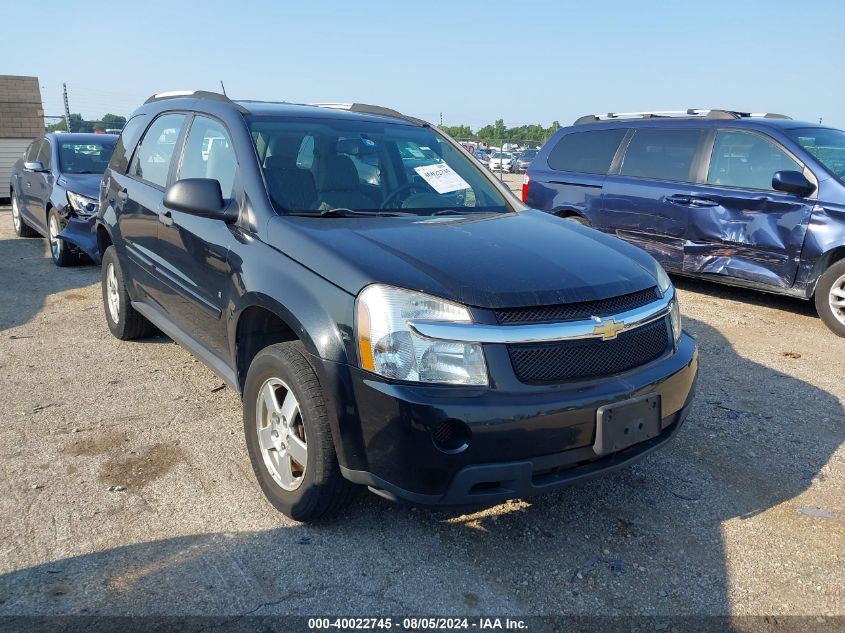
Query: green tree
x=458, y=131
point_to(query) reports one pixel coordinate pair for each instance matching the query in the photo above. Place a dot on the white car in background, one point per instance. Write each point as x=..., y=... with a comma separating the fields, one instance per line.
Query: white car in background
x=501, y=161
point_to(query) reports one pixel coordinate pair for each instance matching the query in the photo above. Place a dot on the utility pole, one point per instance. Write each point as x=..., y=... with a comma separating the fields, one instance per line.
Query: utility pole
x=67, y=108
x=222, y=87
x=441, y=119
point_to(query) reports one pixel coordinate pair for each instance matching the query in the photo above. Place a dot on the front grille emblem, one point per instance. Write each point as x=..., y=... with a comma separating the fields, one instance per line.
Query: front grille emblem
x=608, y=329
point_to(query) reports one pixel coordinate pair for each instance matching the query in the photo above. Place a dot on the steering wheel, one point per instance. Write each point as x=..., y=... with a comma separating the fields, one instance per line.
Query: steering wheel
x=407, y=187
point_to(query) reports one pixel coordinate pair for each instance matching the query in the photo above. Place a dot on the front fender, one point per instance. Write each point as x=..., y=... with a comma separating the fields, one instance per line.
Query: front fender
x=82, y=233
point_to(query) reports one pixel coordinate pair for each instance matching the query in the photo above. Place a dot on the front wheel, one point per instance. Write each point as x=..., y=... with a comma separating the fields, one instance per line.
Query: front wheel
x=830, y=297
x=59, y=250
x=288, y=435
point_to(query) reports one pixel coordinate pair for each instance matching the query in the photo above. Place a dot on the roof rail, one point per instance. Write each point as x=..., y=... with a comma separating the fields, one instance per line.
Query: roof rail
x=196, y=94
x=371, y=109
x=691, y=113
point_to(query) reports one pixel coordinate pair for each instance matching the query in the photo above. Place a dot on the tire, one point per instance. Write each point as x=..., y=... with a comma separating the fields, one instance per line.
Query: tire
x=59, y=250
x=304, y=492
x=22, y=229
x=830, y=297
x=123, y=320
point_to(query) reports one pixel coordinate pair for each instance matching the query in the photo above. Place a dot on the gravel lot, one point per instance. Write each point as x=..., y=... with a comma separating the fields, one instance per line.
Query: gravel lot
x=126, y=487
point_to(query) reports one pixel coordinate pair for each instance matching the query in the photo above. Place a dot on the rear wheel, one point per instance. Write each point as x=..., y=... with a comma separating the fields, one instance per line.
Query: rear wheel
x=59, y=251
x=124, y=321
x=22, y=229
x=830, y=297
x=288, y=435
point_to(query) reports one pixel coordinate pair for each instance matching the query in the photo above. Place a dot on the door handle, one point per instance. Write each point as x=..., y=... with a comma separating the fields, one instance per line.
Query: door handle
x=165, y=218
x=679, y=199
x=702, y=202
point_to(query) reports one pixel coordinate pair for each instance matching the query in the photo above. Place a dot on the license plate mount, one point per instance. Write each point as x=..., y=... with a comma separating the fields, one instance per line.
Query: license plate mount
x=623, y=424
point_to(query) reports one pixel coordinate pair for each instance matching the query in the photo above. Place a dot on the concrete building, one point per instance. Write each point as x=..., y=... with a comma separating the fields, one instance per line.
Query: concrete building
x=21, y=121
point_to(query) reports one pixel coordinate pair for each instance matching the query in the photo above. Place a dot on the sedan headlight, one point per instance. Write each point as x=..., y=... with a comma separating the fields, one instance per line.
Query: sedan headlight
x=83, y=205
x=388, y=347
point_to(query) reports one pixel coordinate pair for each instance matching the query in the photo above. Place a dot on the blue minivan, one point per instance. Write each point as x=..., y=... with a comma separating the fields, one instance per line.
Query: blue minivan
x=755, y=200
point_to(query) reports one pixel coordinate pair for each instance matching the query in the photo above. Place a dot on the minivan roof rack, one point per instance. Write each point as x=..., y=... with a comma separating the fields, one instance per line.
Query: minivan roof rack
x=196, y=94
x=691, y=113
x=371, y=109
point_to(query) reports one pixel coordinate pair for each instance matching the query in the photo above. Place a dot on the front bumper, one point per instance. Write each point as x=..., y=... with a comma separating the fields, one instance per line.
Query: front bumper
x=525, y=438
x=82, y=233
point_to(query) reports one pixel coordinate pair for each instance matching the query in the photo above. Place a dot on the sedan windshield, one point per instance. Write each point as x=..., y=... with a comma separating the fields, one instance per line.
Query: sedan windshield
x=827, y=146
x=84, y=158
x=337, y=167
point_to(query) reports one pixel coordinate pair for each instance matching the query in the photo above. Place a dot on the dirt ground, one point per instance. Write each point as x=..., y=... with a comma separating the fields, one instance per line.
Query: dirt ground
x=126, y=487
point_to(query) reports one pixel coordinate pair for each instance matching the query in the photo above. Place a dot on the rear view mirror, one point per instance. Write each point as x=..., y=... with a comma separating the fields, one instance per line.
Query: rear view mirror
x=792, y=182
x=201, y=197
x=34, y=165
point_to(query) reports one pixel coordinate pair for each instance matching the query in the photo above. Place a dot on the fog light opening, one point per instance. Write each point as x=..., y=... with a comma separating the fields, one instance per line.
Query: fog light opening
x=451, y=437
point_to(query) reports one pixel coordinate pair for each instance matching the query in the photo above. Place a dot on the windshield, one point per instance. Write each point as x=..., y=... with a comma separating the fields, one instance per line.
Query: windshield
x=827, y=146
x=314, y=166
x=84, y=158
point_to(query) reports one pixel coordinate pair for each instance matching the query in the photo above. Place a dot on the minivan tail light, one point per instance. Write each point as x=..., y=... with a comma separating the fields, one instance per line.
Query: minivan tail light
x=525, y=182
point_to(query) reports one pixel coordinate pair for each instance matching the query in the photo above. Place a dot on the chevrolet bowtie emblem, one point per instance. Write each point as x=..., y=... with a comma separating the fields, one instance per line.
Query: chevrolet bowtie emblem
x=608, y=329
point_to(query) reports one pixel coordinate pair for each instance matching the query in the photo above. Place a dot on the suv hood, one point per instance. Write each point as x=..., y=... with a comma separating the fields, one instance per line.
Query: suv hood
x=489, y=261
x=85, y=184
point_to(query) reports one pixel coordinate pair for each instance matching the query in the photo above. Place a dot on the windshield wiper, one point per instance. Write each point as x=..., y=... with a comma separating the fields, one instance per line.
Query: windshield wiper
x=448, y=212
x=342, y=212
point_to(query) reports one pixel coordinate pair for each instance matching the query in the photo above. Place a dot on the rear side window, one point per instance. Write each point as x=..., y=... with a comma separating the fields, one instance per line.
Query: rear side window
x=126, y=143
x=209, y=154
x=586, y=152
x=748, y=161
x=152, y=160
x=661, y=154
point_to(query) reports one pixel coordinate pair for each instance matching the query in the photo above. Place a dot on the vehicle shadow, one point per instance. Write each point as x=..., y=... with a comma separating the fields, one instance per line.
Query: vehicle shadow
x=29, y=277
x=648, y=540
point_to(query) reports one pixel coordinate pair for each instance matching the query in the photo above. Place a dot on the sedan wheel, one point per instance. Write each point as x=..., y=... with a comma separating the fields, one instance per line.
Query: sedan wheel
x=59, y=251
x=22, y=229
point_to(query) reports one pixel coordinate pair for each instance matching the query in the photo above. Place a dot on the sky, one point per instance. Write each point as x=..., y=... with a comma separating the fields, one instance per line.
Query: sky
x=470, y=62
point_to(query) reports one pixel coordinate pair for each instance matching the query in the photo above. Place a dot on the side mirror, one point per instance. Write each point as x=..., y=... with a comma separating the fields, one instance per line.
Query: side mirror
x=792, y=182
x=201, y=197
x=34, y=165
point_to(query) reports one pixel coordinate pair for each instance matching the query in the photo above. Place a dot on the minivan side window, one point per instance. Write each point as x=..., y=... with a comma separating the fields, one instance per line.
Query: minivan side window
x=589, y=152
x=661, y=154
x=746, y=160
x=129, y=136
x=152, y=160
x=209, y=154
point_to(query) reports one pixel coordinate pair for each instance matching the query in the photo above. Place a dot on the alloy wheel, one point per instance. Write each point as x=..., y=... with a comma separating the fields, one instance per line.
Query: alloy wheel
x=55, y=242
x=281, y=434
x=836, y=298
x=112, y=293
x=16, y=214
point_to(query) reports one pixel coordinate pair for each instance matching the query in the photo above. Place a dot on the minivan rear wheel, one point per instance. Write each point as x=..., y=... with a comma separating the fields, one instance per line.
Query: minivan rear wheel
x=288, y=436
x=830, y=297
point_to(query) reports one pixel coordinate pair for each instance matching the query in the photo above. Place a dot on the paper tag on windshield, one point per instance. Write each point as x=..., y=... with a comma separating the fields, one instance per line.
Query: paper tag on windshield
x=442, y=178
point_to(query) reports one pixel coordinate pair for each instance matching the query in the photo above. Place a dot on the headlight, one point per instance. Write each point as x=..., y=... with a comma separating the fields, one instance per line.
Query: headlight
x=388, y=347
x=675, y=317
x=663, y=281
x=82, y=204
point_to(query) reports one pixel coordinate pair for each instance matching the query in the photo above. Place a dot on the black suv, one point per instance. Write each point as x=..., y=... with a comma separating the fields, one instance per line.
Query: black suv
x=400, y=323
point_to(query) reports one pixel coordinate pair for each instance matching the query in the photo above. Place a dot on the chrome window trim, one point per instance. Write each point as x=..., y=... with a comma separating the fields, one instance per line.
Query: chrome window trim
x=544, y=332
